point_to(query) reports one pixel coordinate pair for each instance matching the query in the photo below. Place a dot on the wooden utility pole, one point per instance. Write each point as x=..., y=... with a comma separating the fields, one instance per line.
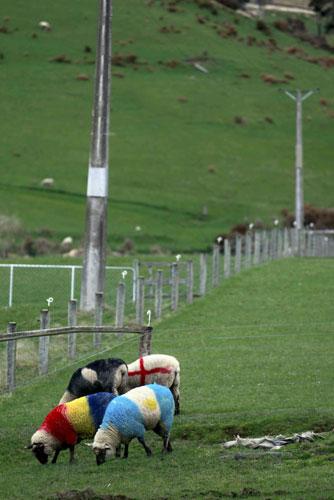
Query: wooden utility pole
x=299, y=189
x=93, y=273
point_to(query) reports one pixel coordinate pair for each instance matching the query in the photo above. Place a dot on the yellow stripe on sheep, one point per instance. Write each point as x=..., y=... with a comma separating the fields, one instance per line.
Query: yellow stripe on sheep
x=78, y=412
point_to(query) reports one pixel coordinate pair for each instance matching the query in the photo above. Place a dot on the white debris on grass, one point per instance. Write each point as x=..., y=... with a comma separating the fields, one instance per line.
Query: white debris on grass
x=273, y=443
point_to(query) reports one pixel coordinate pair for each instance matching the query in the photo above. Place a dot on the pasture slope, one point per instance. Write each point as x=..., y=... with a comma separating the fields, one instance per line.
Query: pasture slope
x=256, y=357
x=180, y=139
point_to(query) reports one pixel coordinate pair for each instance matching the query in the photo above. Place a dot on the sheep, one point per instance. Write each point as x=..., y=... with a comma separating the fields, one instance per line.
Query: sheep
x=102, y=375
x=48, y=181
x=67, y=424
x=45, y=25
x=129, y=416
x=159, y=368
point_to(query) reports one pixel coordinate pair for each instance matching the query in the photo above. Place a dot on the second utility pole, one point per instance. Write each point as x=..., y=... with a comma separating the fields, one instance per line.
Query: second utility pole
x=299, y=190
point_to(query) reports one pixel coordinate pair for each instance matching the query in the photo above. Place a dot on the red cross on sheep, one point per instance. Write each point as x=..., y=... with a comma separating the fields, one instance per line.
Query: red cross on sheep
x=143, y=372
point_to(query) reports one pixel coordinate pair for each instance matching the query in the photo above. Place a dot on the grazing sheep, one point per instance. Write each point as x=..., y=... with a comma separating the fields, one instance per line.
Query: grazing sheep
x=150, y=407
x=102, y=375
x=159, y=368
x=69, y=423
x=45, y=25
x=47, y=182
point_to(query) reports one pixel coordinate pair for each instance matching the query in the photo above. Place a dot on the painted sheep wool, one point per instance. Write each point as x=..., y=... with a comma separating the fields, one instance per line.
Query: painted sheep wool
x=150, y=407
x=68, y=424
x=160, y=368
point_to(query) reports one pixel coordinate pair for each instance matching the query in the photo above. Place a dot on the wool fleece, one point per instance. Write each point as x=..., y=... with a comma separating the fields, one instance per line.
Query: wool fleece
x=79, y=418
x=138, y=410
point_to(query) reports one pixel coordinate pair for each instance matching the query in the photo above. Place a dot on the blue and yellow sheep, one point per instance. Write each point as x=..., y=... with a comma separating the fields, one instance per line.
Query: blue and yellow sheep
x=150, y=407
x=67, y=424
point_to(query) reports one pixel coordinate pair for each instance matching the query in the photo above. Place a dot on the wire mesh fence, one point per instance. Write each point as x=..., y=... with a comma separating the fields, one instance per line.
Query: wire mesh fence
x=29, y=283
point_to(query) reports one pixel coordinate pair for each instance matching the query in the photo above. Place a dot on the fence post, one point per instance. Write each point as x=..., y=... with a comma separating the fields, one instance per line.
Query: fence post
x=43, y=356
x=257, y=246
x=150, y=278
x=135, y=265
x=202, y=273
x=285, y=242
x=145, y=342
x=174, y=286
x=265, y=246
x=215, y=264
x=273, y=237
x=227, y=259
x=190, y=281
x=120, y=303
x=140, y=301
x=98, y=314
x=158, y=295
x=248, y=249
x=11, y=360
x=279, y=244
x=237, y=262
x=72, y=321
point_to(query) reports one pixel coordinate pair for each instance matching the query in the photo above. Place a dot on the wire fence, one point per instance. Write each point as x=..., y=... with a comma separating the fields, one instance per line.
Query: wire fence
x=32, y=283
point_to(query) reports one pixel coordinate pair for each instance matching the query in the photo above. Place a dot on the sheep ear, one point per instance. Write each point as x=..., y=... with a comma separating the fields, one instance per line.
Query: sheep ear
x=89, y=444
x=28, y=447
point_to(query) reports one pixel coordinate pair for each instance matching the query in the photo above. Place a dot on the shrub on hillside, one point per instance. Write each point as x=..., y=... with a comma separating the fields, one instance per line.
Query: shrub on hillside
x=317, y=218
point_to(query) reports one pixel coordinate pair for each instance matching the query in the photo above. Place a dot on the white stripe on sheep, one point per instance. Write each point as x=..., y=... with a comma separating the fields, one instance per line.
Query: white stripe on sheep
x=150, y=407
x=160, y=368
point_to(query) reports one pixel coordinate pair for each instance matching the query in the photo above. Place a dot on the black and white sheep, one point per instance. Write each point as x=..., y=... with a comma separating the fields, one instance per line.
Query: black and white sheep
x=102, y=375
x=129, y=416
x=160, y=368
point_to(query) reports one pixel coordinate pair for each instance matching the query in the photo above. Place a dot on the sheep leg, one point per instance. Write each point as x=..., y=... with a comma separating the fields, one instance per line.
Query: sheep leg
x=176, y=395
x=118, y=451
x=147, y=449
x=71, y=454
x=126, y=451
x=167, y=446
x=54, y=460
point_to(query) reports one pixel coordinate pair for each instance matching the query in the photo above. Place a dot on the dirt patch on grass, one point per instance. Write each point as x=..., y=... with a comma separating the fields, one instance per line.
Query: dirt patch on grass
x=87, y=494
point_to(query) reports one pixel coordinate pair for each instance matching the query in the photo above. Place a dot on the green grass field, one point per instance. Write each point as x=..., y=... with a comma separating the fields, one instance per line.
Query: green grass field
x=168, y=125
x=255, y=357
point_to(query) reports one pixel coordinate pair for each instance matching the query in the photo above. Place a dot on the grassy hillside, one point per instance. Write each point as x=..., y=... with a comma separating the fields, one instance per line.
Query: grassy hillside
x=168, y=124
x=255, y=358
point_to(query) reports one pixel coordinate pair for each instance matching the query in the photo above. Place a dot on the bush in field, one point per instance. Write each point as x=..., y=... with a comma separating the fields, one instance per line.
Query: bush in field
x=316, y=218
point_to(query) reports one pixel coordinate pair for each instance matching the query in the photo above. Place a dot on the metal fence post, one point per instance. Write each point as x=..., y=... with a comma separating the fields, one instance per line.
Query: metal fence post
x=140, y=301
x=190, y=281
x=158, y=295
x=98, y=314
x=72, y=321
x=11, y=359
x=43, y=356
x=286, y=242
x=215, y=265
